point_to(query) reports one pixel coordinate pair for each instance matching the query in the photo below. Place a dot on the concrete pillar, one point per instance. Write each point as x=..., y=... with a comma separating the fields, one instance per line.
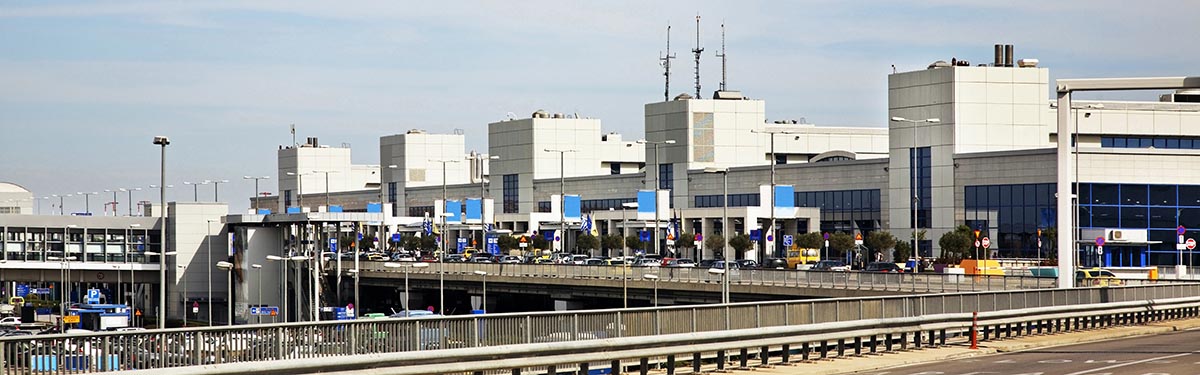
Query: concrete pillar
x=565, y=305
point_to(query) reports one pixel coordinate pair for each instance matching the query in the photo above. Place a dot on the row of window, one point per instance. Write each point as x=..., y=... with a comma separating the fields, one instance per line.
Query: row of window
x=735, y=200
x=420, y=210
x=1140, y=194
x=1190, y=143
x=921, y=181
x=511, y=194
x=840, y=200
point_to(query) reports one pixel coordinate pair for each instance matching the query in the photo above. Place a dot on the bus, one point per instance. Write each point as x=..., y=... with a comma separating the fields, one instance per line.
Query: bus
x=797, y=257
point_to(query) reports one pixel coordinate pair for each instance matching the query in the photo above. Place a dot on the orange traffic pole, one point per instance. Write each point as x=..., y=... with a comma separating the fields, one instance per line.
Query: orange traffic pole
x=974, y=330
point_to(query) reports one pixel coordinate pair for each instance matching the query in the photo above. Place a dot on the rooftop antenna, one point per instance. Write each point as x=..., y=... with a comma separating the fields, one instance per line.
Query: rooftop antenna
x=722, y=55
x=666, y=64
x=697, y=52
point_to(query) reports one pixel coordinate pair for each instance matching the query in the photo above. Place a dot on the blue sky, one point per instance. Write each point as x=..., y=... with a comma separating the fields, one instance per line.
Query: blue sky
x=86, y=85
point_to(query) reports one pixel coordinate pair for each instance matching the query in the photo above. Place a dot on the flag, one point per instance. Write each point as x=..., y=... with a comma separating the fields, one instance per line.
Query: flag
x=427, y=225
x=592, y=227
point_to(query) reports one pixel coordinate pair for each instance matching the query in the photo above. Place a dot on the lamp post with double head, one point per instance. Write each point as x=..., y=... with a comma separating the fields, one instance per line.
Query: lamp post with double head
x=87, y=204
x=256, y=196
x=228, y=268
x=162, y=209
x=657, y=185
x=485, y=275
x=216, y=184
x=915, y=181
x=299, y=189
x=654, y=278
x=258, y=296
x=406, y=267
x=771, y=234
x=130, y=201
x=444, y=234
x=283, y=270
x=724, y=228
x=196, y=188
x=61, y=209
x=483, y=180
x=562, y=196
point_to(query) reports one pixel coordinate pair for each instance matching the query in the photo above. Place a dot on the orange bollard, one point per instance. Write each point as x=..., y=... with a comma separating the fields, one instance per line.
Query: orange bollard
x=974, y=330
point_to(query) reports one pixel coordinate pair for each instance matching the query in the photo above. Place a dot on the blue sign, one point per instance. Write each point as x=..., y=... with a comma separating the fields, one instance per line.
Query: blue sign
x=22, y=290
x=1099, y=241
x=395, y=237
x=93, y=296
x=644, y=235
x=826, y=235
x=265, y=310
x=335, y=208
x=41, y=291
x=374, y=207
x=474, y=211
x=646, y=202
x=264, y=211
x=333, y=245
x=785, y=196
x=755, y=234
x=548, y=235
x=293, y=210
x=493, y=243
x=1181, y=230
x=787, y=240
x=454, y=208
x=462, y=244
x=572, y=210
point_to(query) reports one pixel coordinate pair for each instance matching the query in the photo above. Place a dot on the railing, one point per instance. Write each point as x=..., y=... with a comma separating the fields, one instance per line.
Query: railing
x=181, y=347
x=900, y=282
x=716, y=349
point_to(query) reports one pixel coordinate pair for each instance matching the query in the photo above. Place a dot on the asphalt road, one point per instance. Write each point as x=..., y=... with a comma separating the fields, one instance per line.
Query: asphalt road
x=1163, y=354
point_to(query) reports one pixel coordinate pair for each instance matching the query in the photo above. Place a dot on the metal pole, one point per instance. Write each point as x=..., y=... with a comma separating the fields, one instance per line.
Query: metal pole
x=562, y=196
x=771, y=235
x=229, y=303
x=208, y=255
x=162, y=259
x=260, y=272
x=442, y=255
x=256, y=206
x=327, y=190
x=657, y=172
x=725, y=233
x=407, y=299
x=485, y=292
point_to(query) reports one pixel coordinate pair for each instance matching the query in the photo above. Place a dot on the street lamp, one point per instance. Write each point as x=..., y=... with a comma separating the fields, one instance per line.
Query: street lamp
x=228, y=268
x=258, y=296
x=61, y=209
x=725, y=217
x=208, y=259
x=299, y=189
x=183, y=269
x=657, y=184
x=771, y=234
x=724, y=272
x=283, y=284
x=406, y=267
x=479, y=158
x=130, y=191
x=326, y=186
x=485, y=275
x=64, y=264
x=915, y=183
x=256, y=178
x=162, y=287
x=217, y=183
x=87, y=205
x=444, y=235
x=162, y=141
x=113, y=202
x=196, y=189
x=654, y=278
x=384, y=197
x=562, y=196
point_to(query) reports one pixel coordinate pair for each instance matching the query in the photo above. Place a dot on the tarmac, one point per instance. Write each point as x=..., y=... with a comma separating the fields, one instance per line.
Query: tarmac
x=875, y=362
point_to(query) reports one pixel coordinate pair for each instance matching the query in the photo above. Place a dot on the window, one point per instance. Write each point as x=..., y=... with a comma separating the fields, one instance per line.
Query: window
x=391, y=192
x=664, y=176
x=511, y=193
x=1011, y=215
x=920, y=183
x=614, y=168
x=287, y=198
x=1150, y=141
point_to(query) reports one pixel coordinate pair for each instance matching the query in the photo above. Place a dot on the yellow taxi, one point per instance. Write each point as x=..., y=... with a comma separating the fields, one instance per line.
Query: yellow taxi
x=1096, y=277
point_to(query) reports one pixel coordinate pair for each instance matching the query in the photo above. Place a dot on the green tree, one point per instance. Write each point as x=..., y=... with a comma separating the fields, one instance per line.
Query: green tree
x=634, y=242
x=428, y=243
x=411, y=242
x=841, y=242
x=508, y=243
x=716, y=243
x=586, y=242
x=957, y=245
x=686, y=241
x=612, y=242
x=810, y=240
x=740, y=243
x=879, y=241
x=539, y=242
x=902, y=252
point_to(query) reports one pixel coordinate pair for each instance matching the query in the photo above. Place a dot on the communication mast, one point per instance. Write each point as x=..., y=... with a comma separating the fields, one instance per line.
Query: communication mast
x=722, y=56
x=697, y=52
x=666, y=64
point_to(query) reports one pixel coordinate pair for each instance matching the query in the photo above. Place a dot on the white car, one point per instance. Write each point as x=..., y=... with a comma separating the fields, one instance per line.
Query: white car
x=10, y=321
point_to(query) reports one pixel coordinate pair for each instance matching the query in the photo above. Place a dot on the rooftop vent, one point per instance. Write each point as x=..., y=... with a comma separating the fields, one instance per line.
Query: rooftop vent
x=938, y=64
x=415, y=131
x=541, y=113
x=1027, y=63
x=683, y=96
x=728, y=95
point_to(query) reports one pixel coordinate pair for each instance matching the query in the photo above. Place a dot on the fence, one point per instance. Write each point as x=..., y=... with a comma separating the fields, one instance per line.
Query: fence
x=181, y=347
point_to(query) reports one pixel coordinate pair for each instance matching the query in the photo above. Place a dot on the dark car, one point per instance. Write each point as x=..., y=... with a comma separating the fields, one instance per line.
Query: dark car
x=882, y=267
x=747, y=263
x=706, y=263
x=775, y=264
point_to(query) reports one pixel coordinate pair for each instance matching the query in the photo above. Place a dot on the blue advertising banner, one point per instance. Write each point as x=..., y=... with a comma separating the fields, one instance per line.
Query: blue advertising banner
x=474, y=211
x=646, y=204
x=573, y=211
x=454, y=208
x=785, y=196
x=374, y=207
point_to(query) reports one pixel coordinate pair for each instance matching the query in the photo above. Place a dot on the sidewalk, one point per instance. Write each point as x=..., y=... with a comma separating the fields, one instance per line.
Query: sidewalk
x=954, y=351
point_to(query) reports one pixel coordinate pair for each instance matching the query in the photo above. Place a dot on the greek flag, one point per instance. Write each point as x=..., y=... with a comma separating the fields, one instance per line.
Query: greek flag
x=586, y=227
x=488, y=227
x=427, y=225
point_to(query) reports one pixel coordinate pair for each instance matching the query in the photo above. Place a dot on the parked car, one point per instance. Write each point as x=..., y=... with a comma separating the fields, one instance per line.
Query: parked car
x=595, y=262
x=681, y=263
x=1096, y=277
x=454, y=258
x=377, y=257
x=720, y=264
x=830, y=265
x=706, y=263
x=510, y=259
x=775, y=263
x=648, y=262
x=577, y=259
x=882, y=267
x=404, y=256
x=747, y=263
x=482, y=259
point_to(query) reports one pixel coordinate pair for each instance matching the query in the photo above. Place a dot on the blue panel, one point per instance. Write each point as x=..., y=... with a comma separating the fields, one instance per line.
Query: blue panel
x=474, y=210
x=293, y=210
x=374, y=207
x=572, y=211
x=335, y=208
x=454, y=208
x=645, y=200
x=785, y=196
x=264, y=211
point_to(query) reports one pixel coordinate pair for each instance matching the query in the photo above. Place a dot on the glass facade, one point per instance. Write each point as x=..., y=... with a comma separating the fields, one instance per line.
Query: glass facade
x=420, y=210
x=1011, y=215
x=1159, y=209
x=511, y=194
x=1186, y=143
x=735, y=200
x=845, y=210
x=287, y=199
x=921, y=182
x=589, y=205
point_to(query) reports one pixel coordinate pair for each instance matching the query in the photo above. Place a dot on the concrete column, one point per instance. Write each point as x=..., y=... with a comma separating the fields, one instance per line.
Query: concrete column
x=565, y=305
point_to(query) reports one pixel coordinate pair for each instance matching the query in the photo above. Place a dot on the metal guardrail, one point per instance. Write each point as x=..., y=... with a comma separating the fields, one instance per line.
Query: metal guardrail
x=182, y=347
x=853, y=280
x=738, y=347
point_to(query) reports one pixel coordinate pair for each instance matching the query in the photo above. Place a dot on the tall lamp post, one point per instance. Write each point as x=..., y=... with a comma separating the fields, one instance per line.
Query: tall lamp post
x=162, y=208
x=114, y=201
x=299, y=189
x=725, y=222
x=216, y=184
x=61, y=209
x=256, y=178
x=258, y=296
x=444, y=235
x=479, y=158
x=162, y=260
x=228, y=268
x=183, y=269
x=657, y=183
x=485, y=275
x=196, y=189
x=916, y=199
x=283, y=265
x=354, y=273
x=130, y=201
x=562, y=196
x=653, y=277
x=87, y=204
x=772, y=233
x=64, y=264
x=208, y=259
x=406, y=267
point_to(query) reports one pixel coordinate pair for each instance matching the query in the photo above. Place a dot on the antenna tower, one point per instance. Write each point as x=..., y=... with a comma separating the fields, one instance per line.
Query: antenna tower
x=722, y=56
x=697, y=52
x=666, y=64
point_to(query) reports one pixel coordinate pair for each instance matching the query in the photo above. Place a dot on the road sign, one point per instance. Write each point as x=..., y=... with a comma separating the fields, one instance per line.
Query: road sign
x=787, y=240
x=826, y=236
x=1099, y=241
x=858, y=238
x=770, y=237
x=195, y=307
x=71, y=319
x=1180, y=230
x=395, y=237
x=253, y=310
x=93, y=296
x=986, y=242
x=699, y=237
x=333, y=245
x=1191, y=243
x=755, y=234
x=976, y=243
x=1099, y=250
